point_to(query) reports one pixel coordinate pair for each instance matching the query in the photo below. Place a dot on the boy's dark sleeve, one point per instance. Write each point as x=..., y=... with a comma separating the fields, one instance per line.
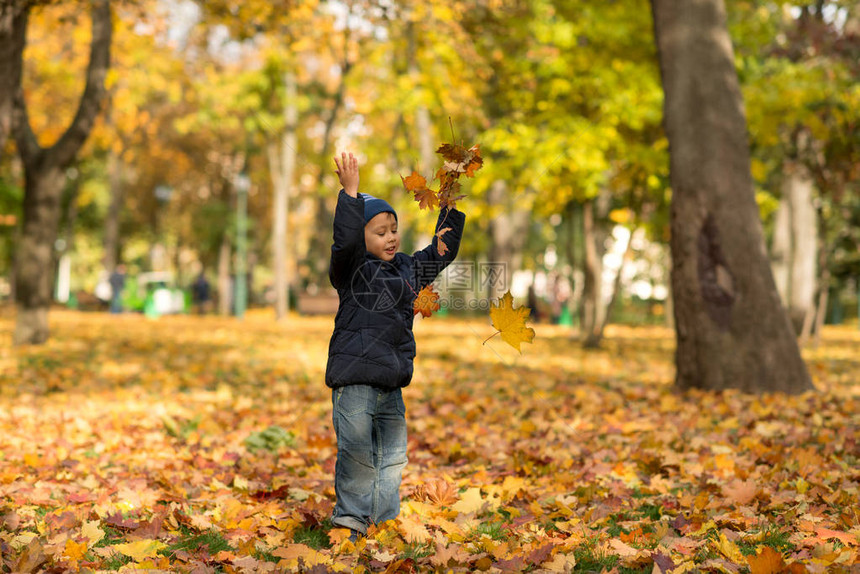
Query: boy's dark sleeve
x=428, y=262
x=347, y=251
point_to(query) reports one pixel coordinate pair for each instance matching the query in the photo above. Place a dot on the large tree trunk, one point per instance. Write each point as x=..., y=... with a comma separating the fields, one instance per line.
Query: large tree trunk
x=508, y=230
x=732, y=331
x=34, y=259
x=795, y=243
x=44, y=175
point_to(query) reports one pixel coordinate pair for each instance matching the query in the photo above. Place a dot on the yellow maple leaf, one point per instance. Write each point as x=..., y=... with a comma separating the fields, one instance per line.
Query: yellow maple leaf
x=74, y=550
x=140, y=550
x=729, y=549
x=470, y=501
x=91, y=531
x=510, y=322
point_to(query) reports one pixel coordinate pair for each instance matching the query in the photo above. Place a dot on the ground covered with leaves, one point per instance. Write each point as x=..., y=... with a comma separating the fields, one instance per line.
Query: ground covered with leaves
x=193, y=444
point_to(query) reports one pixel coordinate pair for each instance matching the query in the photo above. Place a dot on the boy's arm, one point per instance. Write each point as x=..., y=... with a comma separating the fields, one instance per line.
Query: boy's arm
x=347, y=251
x=428, y=262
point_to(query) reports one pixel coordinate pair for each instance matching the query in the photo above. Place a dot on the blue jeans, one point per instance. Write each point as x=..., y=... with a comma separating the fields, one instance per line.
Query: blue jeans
x=370, y=425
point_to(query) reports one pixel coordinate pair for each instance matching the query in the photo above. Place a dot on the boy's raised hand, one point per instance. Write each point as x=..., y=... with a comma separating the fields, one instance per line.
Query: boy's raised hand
x=347, y=173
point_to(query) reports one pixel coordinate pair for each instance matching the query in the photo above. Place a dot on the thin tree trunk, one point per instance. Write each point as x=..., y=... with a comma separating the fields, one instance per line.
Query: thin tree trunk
x=225, y=290
x=44, y=178
x=822, y=310
x=795, y=242
x=423, y=125
x=508, y=229
x=283, y=167
x=111, y=237
x=813, y=319
x=732, y=331
x=616, y=289
x=571, y=224
x=592, y=285
x=319, y=254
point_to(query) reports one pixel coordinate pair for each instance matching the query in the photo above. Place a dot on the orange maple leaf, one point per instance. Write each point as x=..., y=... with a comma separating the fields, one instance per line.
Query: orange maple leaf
x=510, y=322
x=414, y=181
x=417, y=184
x=426, y=302
x=441, y=246
x=767, y=561
x=426, y=198
x=476, y=162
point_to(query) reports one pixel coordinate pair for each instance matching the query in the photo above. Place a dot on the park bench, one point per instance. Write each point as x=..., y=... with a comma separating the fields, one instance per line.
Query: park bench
x=317, y=303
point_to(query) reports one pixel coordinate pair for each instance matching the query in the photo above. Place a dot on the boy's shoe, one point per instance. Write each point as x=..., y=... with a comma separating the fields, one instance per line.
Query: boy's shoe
x=354, y=535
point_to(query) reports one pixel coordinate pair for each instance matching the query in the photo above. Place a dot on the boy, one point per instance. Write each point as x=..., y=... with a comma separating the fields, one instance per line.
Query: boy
x=372, y=347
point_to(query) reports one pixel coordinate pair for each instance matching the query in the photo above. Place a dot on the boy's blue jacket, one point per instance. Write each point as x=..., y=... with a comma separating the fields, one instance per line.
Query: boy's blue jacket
x=372, y=343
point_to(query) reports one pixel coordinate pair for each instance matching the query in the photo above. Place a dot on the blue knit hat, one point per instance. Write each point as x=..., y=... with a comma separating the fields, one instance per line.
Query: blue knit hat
x=373, y=206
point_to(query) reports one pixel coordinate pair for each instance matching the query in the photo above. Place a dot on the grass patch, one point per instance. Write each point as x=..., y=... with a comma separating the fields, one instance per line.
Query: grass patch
x=773, y=537
x=589, y=558
x=613, y=528
x=116, y=561
x=494, y=530
x=418, y=550
x=212, y=540
x=112, y=536
x=316, y=538
x=651, y=511
x=266, y=556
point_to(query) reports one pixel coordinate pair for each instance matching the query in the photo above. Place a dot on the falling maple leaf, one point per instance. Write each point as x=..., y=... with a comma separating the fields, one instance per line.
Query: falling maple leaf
x=426, y=302
x=510, y=323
